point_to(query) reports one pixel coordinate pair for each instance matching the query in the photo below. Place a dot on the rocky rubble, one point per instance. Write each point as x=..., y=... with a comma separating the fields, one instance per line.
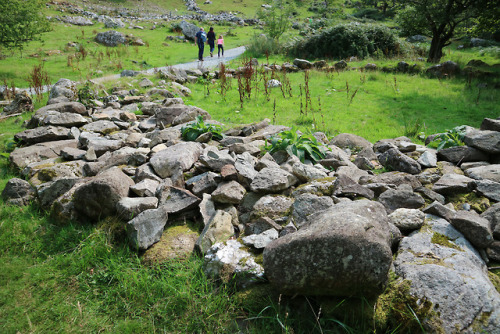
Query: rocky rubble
x=331, y=228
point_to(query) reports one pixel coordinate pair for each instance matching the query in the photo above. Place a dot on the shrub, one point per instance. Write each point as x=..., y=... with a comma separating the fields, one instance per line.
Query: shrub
x=300, y=145
x=347, y=40
x=193, y=130
x=451, y=138
x=260, y=45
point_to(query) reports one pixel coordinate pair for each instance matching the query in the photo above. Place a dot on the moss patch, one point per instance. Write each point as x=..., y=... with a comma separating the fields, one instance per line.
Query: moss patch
x=478, y=203
x=397, y=308
x=443, y=240
x=495, y=279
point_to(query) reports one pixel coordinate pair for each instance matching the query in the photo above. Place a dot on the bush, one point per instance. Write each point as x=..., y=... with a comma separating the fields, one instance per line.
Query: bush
x=301, y=145
x=348, y=40
x=192, y=131
x=260, y=45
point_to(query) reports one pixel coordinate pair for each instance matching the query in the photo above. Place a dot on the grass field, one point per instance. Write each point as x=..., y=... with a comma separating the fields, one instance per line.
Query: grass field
x=83, y=278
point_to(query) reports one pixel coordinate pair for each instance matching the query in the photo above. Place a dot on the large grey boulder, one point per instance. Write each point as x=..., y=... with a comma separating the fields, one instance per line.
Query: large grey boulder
x=395, y=160
x=98, y=197
x=307, y=173
x=146, y=229
x=350, y=141
x=62, y=107
x=444, y=270
x=272, y=206
x=392, y=178
x=67, y=120
x=230, y=261
x=18, y=192
x=104, y=127
x=245, y=168
x=42, y=134
x=23, y=156
x=460, y=154
x=63, y=87
x=452, y=184
x=271, y=180
x=407, y=219
x=48, y=192
x=77, y=20
x=110, y=38
x=22, y=103
x=110, y=22
x=488, y=189
x=182, y=155
x=176, y=200
x=489, y=172
x=488, y=141
x=189, y=30
x=345, y=252
x=165, y=116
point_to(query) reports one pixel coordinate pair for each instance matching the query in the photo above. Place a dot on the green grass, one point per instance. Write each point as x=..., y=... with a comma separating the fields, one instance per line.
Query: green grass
x=384, y=106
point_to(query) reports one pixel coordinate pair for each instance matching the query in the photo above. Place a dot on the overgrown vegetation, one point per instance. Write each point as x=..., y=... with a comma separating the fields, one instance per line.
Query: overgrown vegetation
x=303, y=146
x=450, y=138
x=192, y=131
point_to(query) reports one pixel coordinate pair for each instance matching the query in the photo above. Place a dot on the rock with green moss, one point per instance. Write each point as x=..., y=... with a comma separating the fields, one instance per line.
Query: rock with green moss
x=309, y=204
x=446, y=272
x=402, y=197
x=474, y=227
x=218, y=230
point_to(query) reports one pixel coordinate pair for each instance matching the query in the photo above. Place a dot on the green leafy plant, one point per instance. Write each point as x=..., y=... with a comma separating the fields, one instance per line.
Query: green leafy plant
x=451, y=138
x=86, y=95
x=193, y=130
x=304, y=146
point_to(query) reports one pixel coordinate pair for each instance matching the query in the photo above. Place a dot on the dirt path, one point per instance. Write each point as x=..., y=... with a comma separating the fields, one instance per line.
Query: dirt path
x=210, y=62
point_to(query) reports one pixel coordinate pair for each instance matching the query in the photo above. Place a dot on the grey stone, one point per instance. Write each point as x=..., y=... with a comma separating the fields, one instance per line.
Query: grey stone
x=97, y=198
x=402, y=197
x=428, y=159
x=351, y=171
x=490, y=124
x=440, y=210
x=67, y=120
x=437, y=271
x=207, y=209
x=395, y=160
x=129, y=207
x=63, y=87
x=219, y=229
x=21, y=157
x=18, y=192
x=244, y=165
x=346, y=187
x=48, y=192
x=432, y=195
x=42, y=134
x=475, y=228
x=452, y=184
x=229, y=192
x=70, y=153
x=22, y=103
x=322, y=187
x=101, y=146
x=302, y=64
x=230, y=261
x=342, y=253
x=272, y=206
x=189, y=30
x=347, y=140
x=176, y=200
x=145, y=188
x=110, y=22
x=487, y=141
x=489, y=172
x=308, y=204
x=260, y=225
x=110, y=38
x=307, y=173
x=394, y=178
x=146, y=229
x=461, y=154
x=203, y=183
x=103, y=127
x=260, y=241
x=492, y=214
x=215, y=159
x=407, y=219
x=488, y=189
x=182, y=155
x=493, y=251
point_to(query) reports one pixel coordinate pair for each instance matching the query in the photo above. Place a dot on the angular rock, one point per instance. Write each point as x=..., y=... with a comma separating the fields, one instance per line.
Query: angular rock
x=69, y=153
x=215, y=159
x=203, y=183
x=402, y=197
x=244, y=166
x=110, y=38
x=18, y=192
x=460, y=154
x=63, y=87
x=176, y=200
x=432, y=195
x=260, y=241
x=489, y=172
x=97, y=198
x=487, y=141
x=146, y=229
x=395, y=160
x=48, y=192
x=436, y=270
x=490, y=124
x=307, y=173
x=21, y=157
x=350, y=141
x=219, y=229
x=176, y=243
x=475, y=228
x=182, y=155
x=262, y=224
x=428, y=159
x=42, y=134
x=129, y=207
x=488, y=189
x=452, y=184
x=493, y=216
x=67, y=120
x=271, y=180
x=346, y=187
x=272, y=206
x=229, y=192
x=22, y=103
x=145, y=188
x=440, y=210
x=394, y=178
x=103, y=127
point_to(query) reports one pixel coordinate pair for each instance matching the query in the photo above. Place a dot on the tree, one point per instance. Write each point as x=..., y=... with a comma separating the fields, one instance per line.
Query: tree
x=276, y=19
x=21, y=21
x=441, y=18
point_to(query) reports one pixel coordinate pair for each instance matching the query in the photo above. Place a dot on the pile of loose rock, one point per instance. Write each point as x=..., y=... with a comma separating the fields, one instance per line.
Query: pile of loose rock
x=332, y=228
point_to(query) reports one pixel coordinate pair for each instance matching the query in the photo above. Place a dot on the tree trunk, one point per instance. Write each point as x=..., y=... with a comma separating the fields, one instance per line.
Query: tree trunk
x=436, y=51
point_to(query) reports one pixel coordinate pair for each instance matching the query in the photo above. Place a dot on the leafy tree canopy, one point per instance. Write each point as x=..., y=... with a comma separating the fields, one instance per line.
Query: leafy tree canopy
x=21, y=21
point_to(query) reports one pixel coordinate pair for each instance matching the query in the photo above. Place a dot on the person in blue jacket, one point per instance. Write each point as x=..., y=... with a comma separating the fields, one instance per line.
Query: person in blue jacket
x=200, y=39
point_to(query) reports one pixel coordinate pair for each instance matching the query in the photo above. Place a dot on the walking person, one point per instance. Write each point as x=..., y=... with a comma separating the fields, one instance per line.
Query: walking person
x=220, y=45
x=211, y=41
x=200, y=38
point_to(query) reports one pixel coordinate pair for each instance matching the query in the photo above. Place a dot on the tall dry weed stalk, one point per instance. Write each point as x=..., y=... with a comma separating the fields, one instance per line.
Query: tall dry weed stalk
x=37, y=79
